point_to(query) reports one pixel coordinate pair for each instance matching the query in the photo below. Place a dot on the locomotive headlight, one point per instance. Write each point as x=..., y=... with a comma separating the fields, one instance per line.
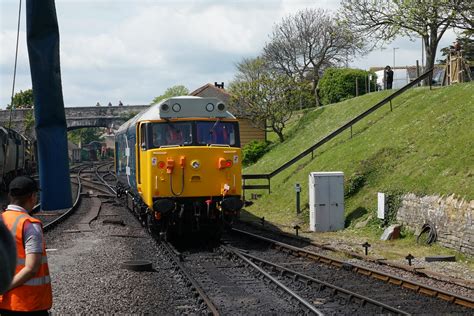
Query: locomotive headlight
x=195, y=164
x=176, y=107
x=165, y=107
x=221, y=107
x=210, y=107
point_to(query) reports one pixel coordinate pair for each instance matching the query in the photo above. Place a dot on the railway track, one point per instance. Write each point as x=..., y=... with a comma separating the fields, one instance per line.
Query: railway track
x=51, y=219
x=305, y=257
x=80, y=179
x=235, y=277
x=168, y=250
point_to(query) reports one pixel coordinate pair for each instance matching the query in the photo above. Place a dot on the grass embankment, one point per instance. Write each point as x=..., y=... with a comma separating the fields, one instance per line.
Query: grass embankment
x=425, y=146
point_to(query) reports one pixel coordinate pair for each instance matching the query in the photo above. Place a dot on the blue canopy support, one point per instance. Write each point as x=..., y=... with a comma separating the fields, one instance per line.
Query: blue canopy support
x=50, y=118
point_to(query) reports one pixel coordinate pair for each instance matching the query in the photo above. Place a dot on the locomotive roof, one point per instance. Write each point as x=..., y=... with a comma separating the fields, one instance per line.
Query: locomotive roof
x=182, y=107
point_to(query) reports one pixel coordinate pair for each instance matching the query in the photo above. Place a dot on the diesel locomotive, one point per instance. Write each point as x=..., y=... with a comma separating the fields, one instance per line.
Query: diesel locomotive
x=179, y=166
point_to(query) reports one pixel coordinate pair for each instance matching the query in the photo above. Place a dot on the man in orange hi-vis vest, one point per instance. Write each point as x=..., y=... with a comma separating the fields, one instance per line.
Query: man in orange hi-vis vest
x=30, y=290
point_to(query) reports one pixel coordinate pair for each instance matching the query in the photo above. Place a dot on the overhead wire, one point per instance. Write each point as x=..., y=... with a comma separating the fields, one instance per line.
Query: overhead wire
x=13, y=91
x=16, y=61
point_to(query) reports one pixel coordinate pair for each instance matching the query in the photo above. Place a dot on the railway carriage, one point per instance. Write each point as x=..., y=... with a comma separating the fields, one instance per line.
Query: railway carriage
x=17, y=155
x=179, y=165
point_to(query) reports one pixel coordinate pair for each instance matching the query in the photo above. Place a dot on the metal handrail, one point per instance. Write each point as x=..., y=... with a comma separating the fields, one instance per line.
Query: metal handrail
x=338, y=131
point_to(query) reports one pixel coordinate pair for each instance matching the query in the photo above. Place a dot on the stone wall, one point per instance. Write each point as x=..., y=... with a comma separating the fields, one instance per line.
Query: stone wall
x=453, y=218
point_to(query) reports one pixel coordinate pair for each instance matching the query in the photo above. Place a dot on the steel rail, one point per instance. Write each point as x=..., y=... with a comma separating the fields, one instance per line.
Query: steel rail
x=53, y=223
x=103, y=180
x=386, y=277
x=304, y=302
x=112, y=173
x=350, y=294
x=104, y=191
x=177, y=258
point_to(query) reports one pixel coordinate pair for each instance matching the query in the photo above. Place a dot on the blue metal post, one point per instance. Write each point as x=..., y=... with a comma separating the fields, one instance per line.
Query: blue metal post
x=50, y=118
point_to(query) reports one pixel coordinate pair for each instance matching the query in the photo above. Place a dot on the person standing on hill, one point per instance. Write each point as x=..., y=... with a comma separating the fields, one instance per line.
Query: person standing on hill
x=388, y=76
x=30, y=290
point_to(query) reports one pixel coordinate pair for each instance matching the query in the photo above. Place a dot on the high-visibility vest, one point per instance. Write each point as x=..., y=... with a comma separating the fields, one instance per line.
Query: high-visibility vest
x=35, y=294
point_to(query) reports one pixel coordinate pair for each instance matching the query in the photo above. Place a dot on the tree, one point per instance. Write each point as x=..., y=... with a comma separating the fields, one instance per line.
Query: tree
x=339, y=84
x=384, y=20
x=262, y=95
x=22, y=100
x=174, y=91
x=465, y=11
x=306, y=43
x=85, y=135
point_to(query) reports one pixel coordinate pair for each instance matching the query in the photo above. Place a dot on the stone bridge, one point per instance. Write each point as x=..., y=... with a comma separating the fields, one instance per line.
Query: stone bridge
x=76, y=117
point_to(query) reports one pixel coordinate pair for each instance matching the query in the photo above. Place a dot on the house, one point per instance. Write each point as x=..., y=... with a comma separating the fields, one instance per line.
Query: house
x=248, y=130
x=108, y=138
x=74, y=152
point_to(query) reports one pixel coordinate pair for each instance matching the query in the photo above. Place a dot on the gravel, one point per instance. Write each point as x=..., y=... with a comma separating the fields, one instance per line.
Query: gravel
x=86, y=273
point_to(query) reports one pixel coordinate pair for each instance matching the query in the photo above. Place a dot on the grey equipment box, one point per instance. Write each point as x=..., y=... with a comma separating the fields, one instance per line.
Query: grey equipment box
x=326, y=201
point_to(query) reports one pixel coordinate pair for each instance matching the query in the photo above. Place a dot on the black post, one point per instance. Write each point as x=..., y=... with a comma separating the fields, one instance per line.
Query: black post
x=357, y=87
x=417, y=70
x=409, y=258
x=366, y=245
x=298, y=190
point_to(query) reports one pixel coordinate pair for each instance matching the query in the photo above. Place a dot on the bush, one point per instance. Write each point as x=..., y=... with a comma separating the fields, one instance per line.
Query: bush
x=254, y=150
x=339, y=84
x=354, y=184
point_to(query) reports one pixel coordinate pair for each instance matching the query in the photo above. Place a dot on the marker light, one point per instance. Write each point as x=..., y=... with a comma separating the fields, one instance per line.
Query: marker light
x=161, y=164
x=165, y=107
x=221, y=107
x=195, y=164
x=176, y=107
x=224, y=163
x=210, y=107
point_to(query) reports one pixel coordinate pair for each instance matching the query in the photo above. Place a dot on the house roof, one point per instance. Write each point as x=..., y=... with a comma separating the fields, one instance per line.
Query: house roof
x=210, y=90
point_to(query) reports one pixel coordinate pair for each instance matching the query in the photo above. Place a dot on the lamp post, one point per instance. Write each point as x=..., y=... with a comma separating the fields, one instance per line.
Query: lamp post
x=394, y=56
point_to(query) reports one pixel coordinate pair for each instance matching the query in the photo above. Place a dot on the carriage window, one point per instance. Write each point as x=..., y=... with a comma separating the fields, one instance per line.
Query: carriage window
x=169, y=134
x=222, y=133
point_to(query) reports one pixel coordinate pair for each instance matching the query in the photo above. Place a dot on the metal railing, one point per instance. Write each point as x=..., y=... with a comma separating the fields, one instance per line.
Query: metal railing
x=327, y=138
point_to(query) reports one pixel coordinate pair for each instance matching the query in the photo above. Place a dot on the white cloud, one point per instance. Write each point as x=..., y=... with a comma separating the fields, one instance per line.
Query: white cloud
x=133, y=50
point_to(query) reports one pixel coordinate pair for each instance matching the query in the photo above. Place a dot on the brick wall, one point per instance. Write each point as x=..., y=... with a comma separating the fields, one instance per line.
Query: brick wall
x=453, y=218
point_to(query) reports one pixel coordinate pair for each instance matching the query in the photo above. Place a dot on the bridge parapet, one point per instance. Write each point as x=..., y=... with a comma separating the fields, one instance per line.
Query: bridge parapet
x=76, y=117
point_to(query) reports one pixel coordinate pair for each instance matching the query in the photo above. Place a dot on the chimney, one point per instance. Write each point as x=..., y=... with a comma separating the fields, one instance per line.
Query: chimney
x=220, y=86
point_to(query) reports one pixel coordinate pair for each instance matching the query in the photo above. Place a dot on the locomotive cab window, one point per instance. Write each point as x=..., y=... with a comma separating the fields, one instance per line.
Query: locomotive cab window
x=218, y=133
x=193, y=133
x=172, y=134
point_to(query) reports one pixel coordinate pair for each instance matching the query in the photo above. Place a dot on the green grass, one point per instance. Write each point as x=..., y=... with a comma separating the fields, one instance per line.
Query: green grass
x=425, y=146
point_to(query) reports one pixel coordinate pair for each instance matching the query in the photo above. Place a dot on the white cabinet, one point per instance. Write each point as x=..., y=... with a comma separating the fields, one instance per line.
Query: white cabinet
x=326, y=201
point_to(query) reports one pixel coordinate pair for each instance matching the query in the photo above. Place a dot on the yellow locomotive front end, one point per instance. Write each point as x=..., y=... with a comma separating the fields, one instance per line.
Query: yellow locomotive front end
x=191, y=172
x=189, y=166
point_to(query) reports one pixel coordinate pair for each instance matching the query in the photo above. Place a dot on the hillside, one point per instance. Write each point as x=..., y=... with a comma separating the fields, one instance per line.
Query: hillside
x=425, y=146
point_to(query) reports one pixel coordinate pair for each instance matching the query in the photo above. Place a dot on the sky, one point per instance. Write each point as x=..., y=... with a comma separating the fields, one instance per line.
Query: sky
x=133, y=50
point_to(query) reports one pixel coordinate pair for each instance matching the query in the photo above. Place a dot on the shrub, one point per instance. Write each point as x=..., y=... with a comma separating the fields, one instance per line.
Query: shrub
x=339, y=84
x=254, y=150
x=354, y=184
